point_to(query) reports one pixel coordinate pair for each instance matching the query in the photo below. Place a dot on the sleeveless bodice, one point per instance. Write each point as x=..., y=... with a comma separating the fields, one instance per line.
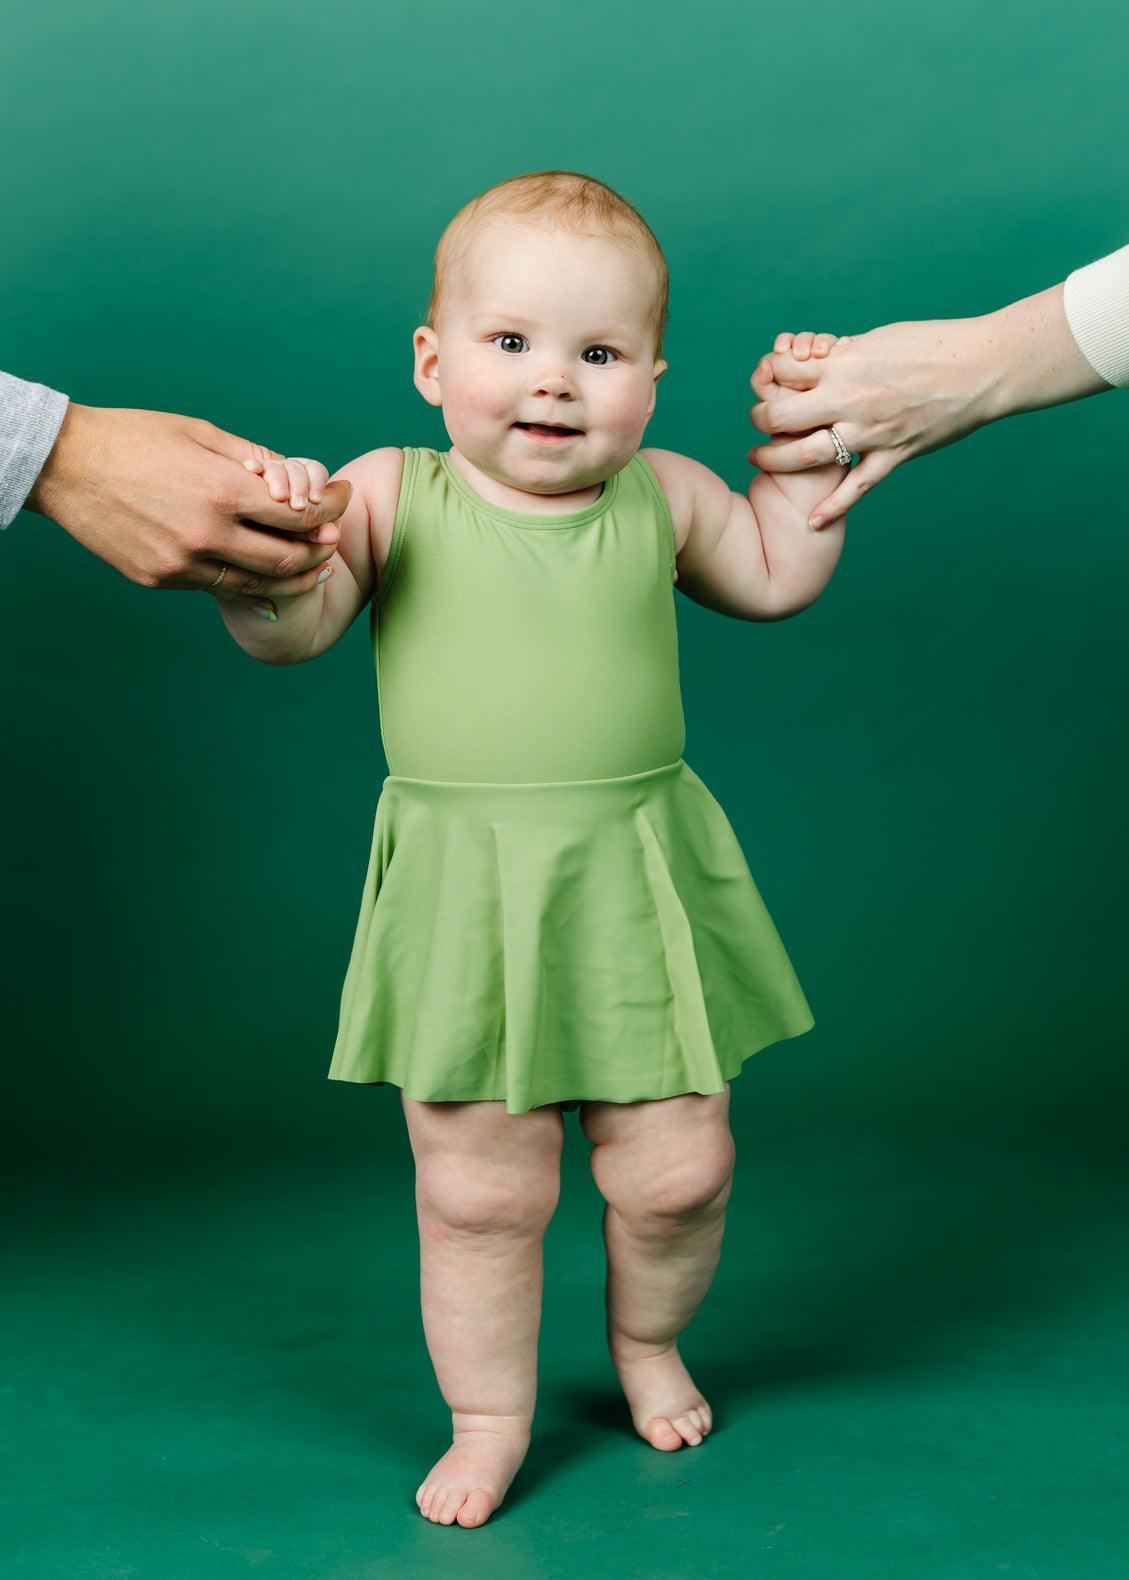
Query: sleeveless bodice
x=556, y=909
x=515, y=648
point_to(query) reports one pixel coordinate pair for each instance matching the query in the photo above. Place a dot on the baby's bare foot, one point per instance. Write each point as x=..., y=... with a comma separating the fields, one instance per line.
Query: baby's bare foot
x=471, y=1479
x=665, y=1406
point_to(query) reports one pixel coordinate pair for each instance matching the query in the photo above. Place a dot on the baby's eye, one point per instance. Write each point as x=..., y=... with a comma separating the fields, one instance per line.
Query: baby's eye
x=507, y=334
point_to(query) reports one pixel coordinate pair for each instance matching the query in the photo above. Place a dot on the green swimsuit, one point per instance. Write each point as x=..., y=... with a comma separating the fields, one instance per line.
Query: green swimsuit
x=556, y=908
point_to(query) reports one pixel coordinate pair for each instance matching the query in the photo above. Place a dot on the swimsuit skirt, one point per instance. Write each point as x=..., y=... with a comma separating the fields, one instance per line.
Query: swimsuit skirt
x=556, y=908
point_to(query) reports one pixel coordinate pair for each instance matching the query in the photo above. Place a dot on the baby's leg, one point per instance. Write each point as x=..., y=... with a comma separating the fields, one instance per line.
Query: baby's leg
x=487, y=1183
x=665, y=1169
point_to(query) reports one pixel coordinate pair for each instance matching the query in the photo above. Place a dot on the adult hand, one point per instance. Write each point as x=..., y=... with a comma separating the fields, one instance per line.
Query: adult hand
x=892, y=393
x=907, y=388
x=167, y=501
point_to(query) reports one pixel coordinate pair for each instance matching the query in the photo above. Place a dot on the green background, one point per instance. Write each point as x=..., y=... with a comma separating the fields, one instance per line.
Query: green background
x=914, y=1344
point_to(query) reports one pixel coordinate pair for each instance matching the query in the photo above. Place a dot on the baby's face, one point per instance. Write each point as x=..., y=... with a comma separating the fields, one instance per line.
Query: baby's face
x=543, y=327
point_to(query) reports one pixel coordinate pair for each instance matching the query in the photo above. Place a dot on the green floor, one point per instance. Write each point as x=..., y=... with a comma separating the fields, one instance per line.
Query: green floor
x=915, y=1349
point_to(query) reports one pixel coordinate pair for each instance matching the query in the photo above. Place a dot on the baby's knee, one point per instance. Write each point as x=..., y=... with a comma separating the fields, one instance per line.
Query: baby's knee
x=483, y=1195
x=684, y=1186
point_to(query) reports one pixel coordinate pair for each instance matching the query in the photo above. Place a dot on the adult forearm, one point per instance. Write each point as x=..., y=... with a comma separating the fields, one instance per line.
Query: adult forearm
x=1027, y=357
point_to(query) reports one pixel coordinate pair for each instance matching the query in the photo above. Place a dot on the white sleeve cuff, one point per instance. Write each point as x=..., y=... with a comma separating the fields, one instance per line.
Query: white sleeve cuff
x=1096, y=300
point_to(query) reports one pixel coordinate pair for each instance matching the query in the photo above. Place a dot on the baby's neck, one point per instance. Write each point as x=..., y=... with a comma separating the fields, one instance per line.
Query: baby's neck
x=519, y=499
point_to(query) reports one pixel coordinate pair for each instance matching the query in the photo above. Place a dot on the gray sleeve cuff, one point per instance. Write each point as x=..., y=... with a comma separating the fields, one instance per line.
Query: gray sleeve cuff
x=30, y=418
x=1096, y=301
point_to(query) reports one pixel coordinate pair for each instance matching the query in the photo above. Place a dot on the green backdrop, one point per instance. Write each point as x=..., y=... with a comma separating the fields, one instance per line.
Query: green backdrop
x=233, y=214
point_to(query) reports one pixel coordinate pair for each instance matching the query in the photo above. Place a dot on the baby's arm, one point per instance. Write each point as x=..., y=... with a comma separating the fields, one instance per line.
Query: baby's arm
x=751, y=555
x=310, y=623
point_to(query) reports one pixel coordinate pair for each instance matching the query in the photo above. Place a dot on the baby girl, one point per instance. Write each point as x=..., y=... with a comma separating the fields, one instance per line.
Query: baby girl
x=556, y=915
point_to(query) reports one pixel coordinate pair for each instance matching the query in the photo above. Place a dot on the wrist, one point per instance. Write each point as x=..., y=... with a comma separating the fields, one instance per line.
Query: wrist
x=988, y=371
x=63, y=470
x=288, y=638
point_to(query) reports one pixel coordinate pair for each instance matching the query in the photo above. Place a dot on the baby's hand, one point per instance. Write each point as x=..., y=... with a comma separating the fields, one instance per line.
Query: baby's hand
x=298, y=477
x=806, y=344
x=779, y=370
x=300, y=480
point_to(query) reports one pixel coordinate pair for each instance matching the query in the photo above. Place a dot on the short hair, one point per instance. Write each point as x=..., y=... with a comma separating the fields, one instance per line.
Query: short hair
x=562, y=200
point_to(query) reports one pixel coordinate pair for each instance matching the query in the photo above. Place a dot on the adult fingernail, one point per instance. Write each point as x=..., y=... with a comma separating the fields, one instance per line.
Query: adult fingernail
x=326, y=573
x=265, y=610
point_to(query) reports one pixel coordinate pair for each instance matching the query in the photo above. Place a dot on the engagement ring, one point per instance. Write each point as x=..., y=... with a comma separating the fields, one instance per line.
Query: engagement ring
x=842, y=454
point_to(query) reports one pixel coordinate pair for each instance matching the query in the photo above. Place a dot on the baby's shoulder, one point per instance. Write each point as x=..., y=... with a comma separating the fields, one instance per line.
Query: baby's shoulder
x=376, y=476
x=675, y=475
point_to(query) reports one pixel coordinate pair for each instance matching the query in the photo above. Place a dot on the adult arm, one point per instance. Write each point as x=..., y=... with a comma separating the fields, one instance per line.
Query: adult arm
x=908, y=388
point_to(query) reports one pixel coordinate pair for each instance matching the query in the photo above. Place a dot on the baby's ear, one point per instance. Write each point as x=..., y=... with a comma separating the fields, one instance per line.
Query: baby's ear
x=425, y=373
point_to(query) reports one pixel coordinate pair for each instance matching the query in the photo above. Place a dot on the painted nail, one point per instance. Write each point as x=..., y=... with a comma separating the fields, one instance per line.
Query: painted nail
x=267, y=614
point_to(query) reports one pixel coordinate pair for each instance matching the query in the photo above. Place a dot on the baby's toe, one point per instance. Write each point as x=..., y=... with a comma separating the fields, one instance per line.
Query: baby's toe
x=433, y=1502
x=660, y=1433
x=448, y=1506
x=686, y=1429
x=477, y=1508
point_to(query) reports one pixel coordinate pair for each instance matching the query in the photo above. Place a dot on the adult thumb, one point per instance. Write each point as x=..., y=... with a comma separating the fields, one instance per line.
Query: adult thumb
x=332, y=502
x=230, y=445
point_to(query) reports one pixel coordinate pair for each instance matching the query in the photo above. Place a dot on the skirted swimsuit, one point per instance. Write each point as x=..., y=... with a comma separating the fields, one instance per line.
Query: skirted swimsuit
x=556, y=908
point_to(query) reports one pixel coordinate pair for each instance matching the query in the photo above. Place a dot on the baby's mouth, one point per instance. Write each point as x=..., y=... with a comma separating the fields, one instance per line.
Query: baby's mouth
x=548, y=428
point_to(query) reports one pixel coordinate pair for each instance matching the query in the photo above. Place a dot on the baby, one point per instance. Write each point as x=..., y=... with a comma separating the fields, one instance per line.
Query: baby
x=556, y=914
